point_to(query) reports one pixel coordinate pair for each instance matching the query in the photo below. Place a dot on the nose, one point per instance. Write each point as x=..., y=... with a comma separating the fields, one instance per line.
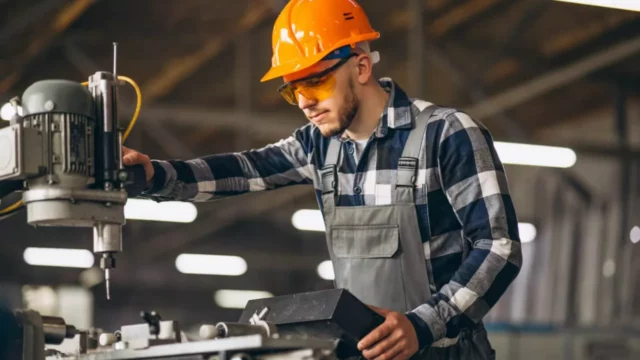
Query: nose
x=304, y=103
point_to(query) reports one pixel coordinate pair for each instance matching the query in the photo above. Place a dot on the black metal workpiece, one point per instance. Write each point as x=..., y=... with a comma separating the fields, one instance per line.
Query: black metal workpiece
x=329, y=314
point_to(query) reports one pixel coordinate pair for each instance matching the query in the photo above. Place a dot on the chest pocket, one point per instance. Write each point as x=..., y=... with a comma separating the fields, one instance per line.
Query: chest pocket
x=365, y=242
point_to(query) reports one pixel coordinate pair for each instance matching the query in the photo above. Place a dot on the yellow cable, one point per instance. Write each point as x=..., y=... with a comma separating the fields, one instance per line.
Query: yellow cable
x=10, y=208
x=136, y=113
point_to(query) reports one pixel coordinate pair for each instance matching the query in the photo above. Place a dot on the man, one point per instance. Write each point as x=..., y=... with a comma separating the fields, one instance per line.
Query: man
x=420, y=224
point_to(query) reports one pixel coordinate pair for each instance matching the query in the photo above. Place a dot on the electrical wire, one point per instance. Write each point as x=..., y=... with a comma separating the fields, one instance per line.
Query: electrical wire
x=8, y=213
x=13, y=208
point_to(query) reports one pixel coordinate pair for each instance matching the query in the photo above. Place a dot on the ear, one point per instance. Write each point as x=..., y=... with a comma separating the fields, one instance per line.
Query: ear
x=364, y=67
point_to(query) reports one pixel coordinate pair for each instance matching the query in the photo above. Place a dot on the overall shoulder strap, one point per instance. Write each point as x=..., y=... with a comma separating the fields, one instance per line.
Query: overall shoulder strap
x=408, y=162
x=329, y=172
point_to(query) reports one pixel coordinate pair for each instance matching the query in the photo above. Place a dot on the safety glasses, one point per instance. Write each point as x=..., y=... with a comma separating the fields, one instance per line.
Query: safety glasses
x=317, y=87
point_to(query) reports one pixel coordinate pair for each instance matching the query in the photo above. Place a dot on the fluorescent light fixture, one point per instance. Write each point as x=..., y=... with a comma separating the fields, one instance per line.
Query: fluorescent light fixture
x=169, y=211
x=615, y=4
x=201, y=264
x=527, y=232
x=535, y=155
x=238, y=299
x=7, y=111
x=325, y=270
x=73, y=258
x=634, y=235
x=309, y=220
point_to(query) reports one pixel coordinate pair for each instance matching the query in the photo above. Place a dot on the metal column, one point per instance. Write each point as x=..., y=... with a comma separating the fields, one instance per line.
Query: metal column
x=416, y=45
x=623, y=254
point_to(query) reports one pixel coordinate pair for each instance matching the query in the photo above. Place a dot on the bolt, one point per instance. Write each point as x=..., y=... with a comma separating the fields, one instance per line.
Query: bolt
x=107, y=204
x=49, y=105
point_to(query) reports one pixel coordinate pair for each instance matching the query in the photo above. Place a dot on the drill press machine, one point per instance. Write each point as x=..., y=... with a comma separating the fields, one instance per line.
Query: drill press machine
x=65, y=154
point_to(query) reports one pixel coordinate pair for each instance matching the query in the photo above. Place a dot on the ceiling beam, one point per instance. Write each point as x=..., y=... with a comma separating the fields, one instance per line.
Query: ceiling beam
x=566, y=41
x=177, y=70
x=62, y=20
x=18, y=24
x=499, y=63
x=478, y=94
x=448, y=22
x=555, y=79
x=401, y=18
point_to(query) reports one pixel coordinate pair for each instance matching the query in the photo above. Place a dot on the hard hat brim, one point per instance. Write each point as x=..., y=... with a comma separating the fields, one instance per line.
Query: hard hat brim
x=302, y=64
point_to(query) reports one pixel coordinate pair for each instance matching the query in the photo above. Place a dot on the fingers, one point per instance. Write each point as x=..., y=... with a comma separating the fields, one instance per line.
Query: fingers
x=397, y=352
x=378, y=333
x=384, y=346
x=131, y=157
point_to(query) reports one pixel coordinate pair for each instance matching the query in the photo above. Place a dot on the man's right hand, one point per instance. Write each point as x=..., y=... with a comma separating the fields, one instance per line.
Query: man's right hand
x=131, y=157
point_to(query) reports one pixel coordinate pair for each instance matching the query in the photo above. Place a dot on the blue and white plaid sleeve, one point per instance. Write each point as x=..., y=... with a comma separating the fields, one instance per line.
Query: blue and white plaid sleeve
x=475, y=184
x=216, y=176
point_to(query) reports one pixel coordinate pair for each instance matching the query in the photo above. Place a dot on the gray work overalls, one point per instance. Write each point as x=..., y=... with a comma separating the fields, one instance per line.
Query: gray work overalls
x=377, y=251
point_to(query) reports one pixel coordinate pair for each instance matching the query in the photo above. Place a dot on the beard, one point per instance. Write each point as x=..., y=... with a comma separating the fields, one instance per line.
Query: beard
x=346, y=113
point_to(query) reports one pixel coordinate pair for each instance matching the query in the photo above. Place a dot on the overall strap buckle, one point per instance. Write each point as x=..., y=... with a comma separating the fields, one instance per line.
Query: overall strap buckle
x=407, y=171
x=329, y=178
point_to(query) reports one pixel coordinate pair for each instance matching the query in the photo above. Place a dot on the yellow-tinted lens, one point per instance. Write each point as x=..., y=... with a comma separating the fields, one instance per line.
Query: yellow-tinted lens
x=317, y=89
x=289, y=94
x=314, y=89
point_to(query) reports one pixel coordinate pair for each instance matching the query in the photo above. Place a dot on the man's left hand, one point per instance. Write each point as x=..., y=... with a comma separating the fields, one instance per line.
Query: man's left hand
x=394, y=339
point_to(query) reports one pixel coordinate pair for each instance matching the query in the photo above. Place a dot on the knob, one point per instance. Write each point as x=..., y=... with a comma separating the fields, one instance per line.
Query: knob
x=208, y=332
x=107, y=339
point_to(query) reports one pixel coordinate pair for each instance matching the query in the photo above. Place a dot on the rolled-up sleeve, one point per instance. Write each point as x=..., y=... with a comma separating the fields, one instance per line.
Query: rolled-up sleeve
x=475, y=184
x=216, y=176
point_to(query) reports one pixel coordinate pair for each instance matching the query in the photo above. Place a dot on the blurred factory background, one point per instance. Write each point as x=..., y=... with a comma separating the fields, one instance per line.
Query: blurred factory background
x=537, y=72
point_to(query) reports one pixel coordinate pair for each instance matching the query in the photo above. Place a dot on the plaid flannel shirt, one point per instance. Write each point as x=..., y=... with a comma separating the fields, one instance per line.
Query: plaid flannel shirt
x=466, y=217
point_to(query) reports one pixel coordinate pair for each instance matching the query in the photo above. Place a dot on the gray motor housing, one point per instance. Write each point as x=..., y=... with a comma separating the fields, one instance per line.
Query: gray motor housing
x=58, y=96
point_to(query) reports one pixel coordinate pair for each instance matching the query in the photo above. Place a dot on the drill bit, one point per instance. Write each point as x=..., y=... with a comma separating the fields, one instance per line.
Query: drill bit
x=106, y=280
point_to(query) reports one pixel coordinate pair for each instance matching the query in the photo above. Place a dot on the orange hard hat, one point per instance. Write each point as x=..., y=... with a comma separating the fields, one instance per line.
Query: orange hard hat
x=308, y=30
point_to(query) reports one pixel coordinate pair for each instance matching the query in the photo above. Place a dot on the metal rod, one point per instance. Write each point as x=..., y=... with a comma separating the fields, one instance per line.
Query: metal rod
x=115, y=60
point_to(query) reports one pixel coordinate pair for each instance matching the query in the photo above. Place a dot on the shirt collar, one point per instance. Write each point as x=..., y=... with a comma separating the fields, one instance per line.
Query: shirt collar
x=397, y=113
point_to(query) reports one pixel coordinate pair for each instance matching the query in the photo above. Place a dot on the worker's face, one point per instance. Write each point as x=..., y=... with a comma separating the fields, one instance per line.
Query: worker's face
x=334, y=112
